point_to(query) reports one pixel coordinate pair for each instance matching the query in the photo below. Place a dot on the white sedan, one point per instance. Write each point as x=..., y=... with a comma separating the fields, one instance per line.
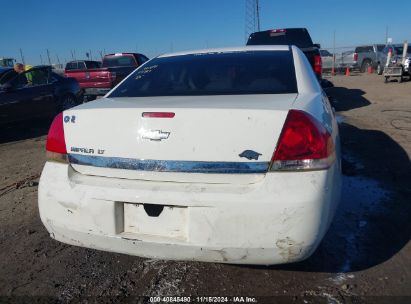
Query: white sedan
x=222, y=155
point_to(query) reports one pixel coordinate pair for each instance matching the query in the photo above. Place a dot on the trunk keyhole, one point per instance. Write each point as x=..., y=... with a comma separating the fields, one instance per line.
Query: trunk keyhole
x=153, y=210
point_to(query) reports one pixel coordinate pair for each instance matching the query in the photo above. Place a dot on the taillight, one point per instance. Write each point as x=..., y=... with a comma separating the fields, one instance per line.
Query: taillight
x=56, y=144
x=304, y=144
x=279, y=31
x=318, y=65
x=113, y=76
x=355, y=57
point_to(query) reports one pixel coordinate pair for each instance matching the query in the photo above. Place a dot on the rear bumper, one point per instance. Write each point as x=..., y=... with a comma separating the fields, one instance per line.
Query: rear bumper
x=281, y=219
x=96, y=91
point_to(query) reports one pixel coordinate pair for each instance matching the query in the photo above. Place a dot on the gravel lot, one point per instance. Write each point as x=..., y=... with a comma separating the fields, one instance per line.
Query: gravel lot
x=364, y=258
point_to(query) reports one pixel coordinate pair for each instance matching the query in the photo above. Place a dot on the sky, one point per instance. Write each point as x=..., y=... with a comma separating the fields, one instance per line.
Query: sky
x=153, y=27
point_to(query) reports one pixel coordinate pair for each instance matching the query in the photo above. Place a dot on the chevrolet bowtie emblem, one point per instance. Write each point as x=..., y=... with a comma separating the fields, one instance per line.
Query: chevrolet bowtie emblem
x=155, y=135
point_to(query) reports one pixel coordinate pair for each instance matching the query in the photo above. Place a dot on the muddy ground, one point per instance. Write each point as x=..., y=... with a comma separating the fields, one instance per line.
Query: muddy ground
x=364, y=258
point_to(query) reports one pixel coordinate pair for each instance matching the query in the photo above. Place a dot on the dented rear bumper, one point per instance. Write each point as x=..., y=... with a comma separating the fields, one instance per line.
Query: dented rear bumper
x=280, y=219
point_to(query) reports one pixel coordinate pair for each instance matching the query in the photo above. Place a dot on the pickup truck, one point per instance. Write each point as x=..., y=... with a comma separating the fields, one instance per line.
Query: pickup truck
x=365, y=56
x=291, y=36
x=114, y=68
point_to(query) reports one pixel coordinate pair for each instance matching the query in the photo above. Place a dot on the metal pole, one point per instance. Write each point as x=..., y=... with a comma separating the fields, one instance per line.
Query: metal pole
x=258, y=14
x=48, y=56
x=386, y=35
x=22, y=57
x=333, y=71
x=404, y=53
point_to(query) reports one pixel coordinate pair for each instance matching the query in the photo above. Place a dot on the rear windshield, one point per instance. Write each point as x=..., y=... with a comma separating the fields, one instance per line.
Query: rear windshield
x=118, y=61
x=297, y=37
x=380, y=47
x=251, y=72
x=93, y=64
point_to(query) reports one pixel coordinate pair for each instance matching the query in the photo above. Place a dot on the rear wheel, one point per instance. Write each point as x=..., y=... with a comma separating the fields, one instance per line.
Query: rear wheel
x=365, y=65
x=68, y=101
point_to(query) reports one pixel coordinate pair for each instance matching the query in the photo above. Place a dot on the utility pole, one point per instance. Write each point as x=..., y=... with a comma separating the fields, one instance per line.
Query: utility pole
x=22, y=57
x=257, y=6
x=333, y=69
x=252, y=17
x=91, y=56
x=386, y=34
x=41, y=59
x=48, y=56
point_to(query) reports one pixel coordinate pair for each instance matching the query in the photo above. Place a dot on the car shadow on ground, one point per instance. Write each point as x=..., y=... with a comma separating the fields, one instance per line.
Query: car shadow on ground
x=343, y=99
x=373, y=220
x=24, y=130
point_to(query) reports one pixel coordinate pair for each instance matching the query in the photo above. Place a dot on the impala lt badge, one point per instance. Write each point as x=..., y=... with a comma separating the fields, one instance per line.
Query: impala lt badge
x=154, y=134
x=249, y=154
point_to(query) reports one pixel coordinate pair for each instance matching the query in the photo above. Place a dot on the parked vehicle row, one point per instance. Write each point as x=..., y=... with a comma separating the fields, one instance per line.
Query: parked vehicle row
x=98, y=79
x=41, y=92
x=363, y=57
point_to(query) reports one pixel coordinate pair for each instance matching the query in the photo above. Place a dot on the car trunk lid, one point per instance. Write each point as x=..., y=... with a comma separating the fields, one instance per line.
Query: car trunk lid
x=207, y=138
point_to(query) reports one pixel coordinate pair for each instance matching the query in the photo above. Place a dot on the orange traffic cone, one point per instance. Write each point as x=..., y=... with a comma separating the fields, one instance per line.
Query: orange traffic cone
x=347, y=72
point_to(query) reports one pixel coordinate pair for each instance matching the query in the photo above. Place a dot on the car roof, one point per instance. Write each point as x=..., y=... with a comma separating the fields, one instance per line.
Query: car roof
x=83, y=60
x=123, y=53
x=230, y=50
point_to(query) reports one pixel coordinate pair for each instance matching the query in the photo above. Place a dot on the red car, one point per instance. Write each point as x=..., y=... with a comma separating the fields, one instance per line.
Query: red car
x=97, y=81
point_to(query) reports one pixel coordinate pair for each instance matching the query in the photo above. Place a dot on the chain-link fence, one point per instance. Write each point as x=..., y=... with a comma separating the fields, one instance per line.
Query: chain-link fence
x=337, y=59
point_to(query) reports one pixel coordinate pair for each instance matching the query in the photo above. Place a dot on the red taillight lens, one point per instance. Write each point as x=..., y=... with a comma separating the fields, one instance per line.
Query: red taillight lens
x=278, y=31
x=56, y=145
x=158, y=114
x=318, y=65
x=303, y=144
x=355, y=56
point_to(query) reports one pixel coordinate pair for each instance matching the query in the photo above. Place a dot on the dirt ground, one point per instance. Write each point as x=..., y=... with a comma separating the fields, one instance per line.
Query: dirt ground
x=364, y=258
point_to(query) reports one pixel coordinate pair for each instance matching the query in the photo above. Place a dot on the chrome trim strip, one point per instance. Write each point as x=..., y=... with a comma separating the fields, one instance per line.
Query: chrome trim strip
x=169, y=165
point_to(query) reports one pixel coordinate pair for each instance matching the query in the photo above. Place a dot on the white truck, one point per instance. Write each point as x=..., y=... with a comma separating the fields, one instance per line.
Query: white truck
x=7, y=62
